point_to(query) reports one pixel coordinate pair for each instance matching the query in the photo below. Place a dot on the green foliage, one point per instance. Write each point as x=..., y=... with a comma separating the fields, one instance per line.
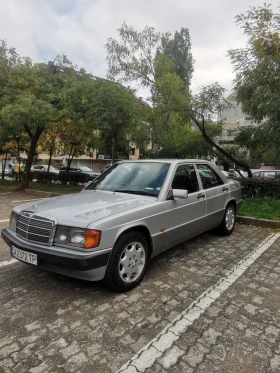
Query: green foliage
x=258, y=188
x=61, y=178
x=257, y=82
x=178, y=49
x=133, y=56
x=261, y=142
x=115, y=112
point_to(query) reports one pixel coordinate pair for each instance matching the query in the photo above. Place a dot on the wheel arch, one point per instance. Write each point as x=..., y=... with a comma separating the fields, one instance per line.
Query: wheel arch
x=141, y=229
x=233, y=201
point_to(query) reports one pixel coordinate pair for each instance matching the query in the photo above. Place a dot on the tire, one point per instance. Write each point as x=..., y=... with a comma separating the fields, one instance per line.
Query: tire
x=130, y=250
x=227, y=225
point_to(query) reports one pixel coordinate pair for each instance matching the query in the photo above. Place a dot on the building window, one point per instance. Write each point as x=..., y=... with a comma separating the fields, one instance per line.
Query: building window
x=231, y=132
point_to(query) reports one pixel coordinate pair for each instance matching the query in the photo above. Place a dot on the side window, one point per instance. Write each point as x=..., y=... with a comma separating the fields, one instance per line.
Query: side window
x=209, y=177
x=269, y=174
x=185, y=178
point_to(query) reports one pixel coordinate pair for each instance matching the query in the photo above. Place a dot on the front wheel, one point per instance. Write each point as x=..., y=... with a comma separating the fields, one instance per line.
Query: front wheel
x=128, y=262
x=227, y=225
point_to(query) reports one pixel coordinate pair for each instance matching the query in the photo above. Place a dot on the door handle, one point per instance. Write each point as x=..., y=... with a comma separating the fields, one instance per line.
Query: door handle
x=200, y=195
x=225, y=188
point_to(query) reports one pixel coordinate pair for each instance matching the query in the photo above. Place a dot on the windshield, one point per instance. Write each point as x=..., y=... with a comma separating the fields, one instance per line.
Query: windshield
x=144, y=178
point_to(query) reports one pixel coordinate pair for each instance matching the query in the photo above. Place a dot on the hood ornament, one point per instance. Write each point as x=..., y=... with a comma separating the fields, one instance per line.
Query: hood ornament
x=34, y=207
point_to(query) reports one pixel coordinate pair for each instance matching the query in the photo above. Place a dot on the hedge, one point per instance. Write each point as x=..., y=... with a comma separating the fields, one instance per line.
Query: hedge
x=260, y=188
x=62, y=178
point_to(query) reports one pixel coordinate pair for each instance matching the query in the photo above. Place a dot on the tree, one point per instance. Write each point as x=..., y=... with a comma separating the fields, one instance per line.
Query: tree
x=27, y=107
x=132, y=58
x=76, y=122
x=165, y=65
x=30, y=97
x=257, y=81
x=178, y=50
x=115, y=112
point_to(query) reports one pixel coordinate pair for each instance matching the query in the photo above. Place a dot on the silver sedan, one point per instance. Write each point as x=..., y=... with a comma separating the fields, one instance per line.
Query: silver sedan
x=132, y=212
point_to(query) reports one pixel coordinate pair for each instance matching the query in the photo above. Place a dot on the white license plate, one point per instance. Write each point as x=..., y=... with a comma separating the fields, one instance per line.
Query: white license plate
x=24, y=256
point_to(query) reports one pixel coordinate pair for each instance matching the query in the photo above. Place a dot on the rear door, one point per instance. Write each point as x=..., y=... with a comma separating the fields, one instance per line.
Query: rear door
x=216, y=192
x=185, y=218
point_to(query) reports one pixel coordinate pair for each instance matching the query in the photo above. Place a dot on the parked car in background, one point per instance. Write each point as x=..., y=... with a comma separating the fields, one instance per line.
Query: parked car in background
x=7, y=172
x=129, y=214
x=82, y=170
x=43, y=168
x=266, y=174
x=233, y=173
x=106, y=167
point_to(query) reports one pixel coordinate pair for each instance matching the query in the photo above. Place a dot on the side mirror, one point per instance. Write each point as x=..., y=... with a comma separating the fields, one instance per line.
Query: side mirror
x=180, y=193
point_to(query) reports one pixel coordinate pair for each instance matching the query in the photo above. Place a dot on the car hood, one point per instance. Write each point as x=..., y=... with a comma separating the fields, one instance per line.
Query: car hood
x=81, y=209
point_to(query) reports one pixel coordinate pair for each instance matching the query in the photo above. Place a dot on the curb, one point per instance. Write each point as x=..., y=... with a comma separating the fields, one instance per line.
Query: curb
x=273, y=224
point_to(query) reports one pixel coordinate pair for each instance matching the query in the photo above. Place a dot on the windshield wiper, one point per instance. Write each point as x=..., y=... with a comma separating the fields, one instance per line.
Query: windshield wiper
x=136, y=192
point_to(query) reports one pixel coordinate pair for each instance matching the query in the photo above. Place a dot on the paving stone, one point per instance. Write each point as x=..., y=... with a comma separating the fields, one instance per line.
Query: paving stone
x=82, y=327
x=170, y=357
x=195, y=355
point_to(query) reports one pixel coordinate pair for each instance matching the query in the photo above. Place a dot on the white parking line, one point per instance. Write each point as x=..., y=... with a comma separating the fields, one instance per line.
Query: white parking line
x=2, y=221
x=8, y=262
x=28, y=200
x=147, y=356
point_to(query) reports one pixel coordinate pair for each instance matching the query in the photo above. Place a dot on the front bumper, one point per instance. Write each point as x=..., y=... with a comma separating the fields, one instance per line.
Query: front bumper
x=89, y=266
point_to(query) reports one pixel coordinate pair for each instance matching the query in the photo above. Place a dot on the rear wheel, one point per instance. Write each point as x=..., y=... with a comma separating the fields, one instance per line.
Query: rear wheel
x=227, y=225
x=128, y=262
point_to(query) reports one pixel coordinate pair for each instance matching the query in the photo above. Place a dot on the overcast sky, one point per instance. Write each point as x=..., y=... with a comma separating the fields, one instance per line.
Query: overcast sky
x=41, y=29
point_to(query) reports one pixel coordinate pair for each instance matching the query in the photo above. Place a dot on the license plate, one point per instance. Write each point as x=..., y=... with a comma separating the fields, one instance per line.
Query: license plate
x=24, y=256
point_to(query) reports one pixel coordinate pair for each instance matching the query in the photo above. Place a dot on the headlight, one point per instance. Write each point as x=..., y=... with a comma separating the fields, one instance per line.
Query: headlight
x=13, y=220
x=78, y=237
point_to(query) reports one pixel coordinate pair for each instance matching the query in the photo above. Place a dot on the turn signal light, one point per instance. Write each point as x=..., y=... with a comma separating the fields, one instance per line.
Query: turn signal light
x=92, y=238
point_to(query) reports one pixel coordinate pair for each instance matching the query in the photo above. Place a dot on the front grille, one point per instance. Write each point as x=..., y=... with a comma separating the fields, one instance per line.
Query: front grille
x=34, y=227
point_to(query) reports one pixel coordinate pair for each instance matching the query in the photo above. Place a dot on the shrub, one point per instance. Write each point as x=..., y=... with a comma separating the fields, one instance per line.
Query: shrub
x=61, y=178
x=260, y=188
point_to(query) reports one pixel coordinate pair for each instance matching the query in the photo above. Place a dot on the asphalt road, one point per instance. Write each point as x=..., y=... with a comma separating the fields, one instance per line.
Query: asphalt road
x=208, y=305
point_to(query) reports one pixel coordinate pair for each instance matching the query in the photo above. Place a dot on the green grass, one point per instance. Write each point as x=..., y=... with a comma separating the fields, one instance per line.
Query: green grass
x=262, y=208
x=52, y=188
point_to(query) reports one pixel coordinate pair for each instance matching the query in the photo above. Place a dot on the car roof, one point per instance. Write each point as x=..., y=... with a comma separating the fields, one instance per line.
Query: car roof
x=166, y=161
x=265, y=171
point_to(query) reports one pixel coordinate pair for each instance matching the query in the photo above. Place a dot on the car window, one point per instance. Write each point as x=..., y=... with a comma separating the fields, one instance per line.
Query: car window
x=269, y=174
x=185, y=178
x=209, y=177
x=256, y=174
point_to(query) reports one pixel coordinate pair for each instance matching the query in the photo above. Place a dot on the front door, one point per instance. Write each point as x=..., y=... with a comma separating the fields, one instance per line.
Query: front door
x=217, y=193
x=185, y=218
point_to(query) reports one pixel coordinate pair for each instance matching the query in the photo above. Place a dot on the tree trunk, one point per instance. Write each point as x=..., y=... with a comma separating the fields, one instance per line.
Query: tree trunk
x=69, y=159
x=31, y=152
x=221, y=150
x=3, y=170
x=18, y=154
x=4, y=161
x=113, y=150
x=49, y=164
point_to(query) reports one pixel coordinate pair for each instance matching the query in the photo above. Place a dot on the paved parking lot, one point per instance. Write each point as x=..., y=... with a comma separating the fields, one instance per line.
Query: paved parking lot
x=210, y=304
